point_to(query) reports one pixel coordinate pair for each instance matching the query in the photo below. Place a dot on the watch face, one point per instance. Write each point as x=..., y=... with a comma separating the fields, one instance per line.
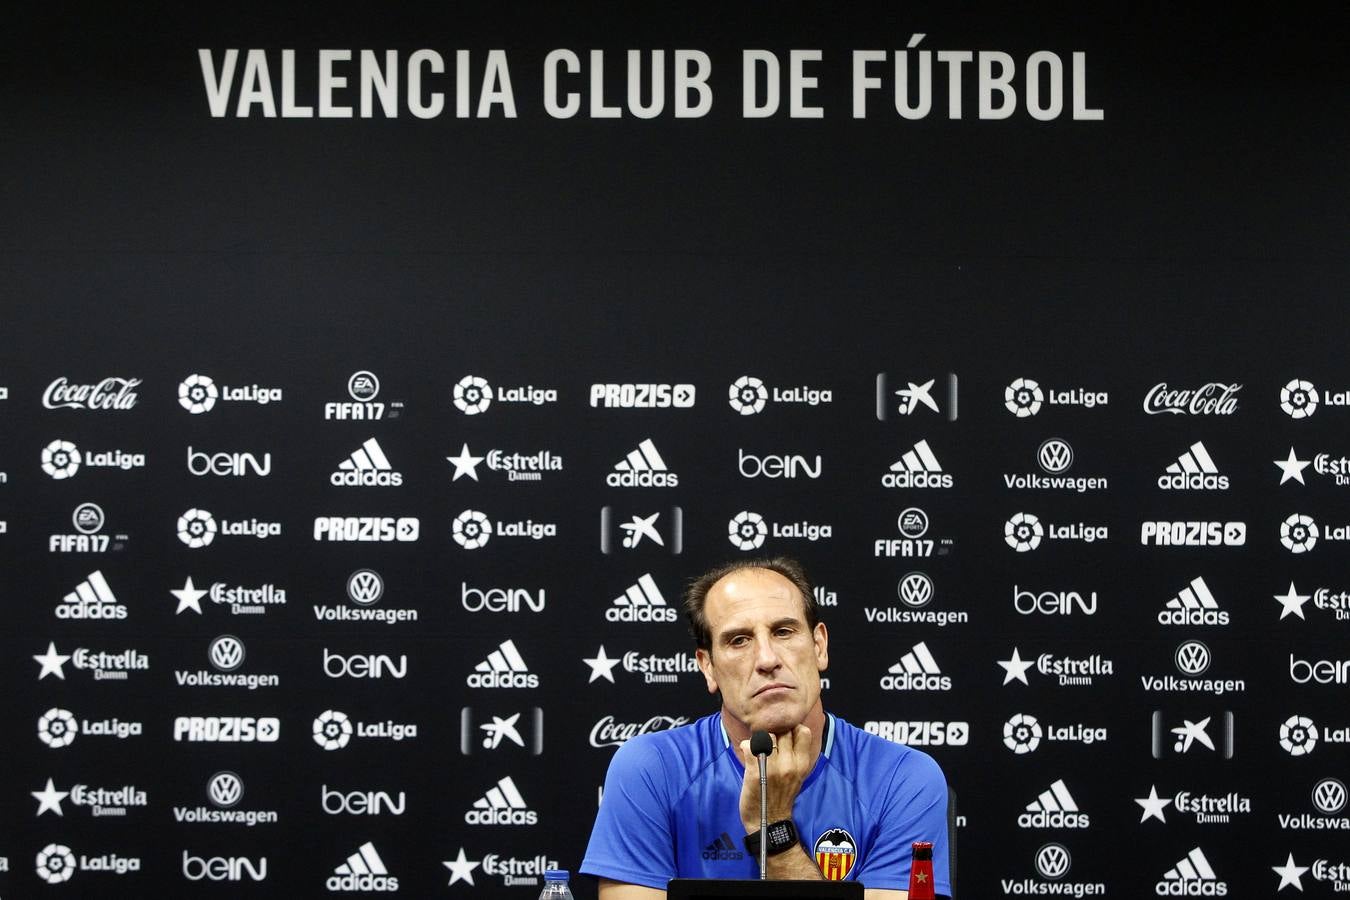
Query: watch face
x=779, y=834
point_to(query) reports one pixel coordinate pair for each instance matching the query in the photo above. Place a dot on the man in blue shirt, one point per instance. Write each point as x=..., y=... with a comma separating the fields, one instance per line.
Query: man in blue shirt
x=842, y=804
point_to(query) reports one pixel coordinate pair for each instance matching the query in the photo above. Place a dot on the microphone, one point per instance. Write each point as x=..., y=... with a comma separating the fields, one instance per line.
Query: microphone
x=761, y=744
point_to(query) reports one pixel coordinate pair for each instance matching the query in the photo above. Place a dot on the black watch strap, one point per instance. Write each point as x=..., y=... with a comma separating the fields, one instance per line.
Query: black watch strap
x=782, y=837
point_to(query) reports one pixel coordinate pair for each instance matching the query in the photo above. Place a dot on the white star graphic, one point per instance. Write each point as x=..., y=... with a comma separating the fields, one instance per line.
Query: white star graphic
x=1016, y=667
x=601, y=666
x=461, y=868
x=51, y=663
x=1292, y=467
x=465, y=464
x=49, y=798
x=916, y=394
x=1292, y=603
x=1153, y=805
x=1290, y=873
x=189, y=597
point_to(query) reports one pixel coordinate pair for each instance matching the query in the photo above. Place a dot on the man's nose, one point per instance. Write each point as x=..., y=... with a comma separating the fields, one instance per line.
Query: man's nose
x=766, y=654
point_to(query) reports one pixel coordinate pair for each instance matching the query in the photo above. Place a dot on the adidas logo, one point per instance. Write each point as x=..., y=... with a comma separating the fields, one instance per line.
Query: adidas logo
x=918, y=468
x=642, y=602
x=363, y=871
x=91, y=599
x=1054, y=808
x=1194, y=605
x=644, y=467
x=501, y=805
x=723, y=848
x=1191, y=877
x=1194, y=470
x=916, y=671
x=367, y=467
x=503, y=668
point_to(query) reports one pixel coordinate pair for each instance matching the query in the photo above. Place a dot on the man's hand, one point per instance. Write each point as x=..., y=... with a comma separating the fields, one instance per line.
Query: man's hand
x=788, y=766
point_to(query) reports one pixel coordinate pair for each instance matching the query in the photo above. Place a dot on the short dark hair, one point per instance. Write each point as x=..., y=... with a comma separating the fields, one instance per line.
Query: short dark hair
x=696, y=595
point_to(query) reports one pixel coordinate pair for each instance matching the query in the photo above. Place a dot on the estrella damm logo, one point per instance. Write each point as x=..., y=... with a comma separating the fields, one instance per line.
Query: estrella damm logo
x=836, y=854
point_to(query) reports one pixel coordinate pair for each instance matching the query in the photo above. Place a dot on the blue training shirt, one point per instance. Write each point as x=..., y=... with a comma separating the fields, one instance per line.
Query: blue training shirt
x=672, y=809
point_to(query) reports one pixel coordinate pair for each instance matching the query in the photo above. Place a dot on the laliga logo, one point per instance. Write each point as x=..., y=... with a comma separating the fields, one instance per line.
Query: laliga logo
x=197, y=528
x=472, y=395
x=748, y=395
x=1298, y=735
x=1022, y=734
x=1298, y=533
x=55, y=863
x=1023, y=398
x=198, y=394
x=1023, y=532
x=60, y=459
x=747, y=530
x=1298, y=399
x=57, y=728
x=471, y=529
x=332, y=730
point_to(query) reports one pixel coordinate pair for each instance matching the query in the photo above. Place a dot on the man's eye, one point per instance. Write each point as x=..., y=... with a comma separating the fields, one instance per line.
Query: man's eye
x=786, y=631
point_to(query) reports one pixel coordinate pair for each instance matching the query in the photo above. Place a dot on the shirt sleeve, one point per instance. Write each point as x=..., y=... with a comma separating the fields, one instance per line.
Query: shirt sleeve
x=912, y=808
x=633, y=839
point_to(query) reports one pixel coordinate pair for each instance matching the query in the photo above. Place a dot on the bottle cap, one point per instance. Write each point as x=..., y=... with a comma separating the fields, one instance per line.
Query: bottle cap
x=555, y=874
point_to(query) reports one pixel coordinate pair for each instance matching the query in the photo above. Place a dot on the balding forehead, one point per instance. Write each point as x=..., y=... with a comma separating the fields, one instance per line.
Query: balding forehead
x=752, y=583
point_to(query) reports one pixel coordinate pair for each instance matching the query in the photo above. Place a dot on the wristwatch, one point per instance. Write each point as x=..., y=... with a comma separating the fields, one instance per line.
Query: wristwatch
x=782, y=837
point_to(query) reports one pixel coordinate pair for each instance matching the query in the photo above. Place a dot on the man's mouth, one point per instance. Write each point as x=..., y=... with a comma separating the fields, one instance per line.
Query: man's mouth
x=774, y=687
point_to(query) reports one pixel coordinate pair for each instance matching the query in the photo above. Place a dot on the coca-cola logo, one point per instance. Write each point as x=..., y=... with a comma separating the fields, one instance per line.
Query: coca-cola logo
x=1212, y=399
x=110, y=393
x=609, y=733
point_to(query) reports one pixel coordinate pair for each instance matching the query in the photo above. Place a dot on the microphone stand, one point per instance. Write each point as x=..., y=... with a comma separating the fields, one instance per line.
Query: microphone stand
x=763, y=818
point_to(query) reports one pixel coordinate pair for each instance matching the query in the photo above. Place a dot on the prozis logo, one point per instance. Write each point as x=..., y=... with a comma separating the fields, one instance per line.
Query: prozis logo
x=504, y=667
x=226, y=729
x=228, y=464
x=922, y=733
x=91, y=599
x=1054, y=808
x=501, y=805
x=198, y=528
x=608, y=732
x=1192, y=876
x=1193, y=605
x=901, y=397
x=365, y=589
x=917, y=670
x=363, y=871
x=643, y=467
x=363, y=387
x=62, y=459
x=1215, y=398
x=102, y=665
x=1055, y=457
x=199, y=394
x=522, y=729
x=747, y=530
x=517, y=466
x=100, y=802
x=1194, y=470
x=1328, y=799
x=361, y=803
x=473, y=529
x=88, y=520
x=1024, y=397
x=56, y=863
x=915, y=591
x=749, y=395
x=367, y=466
x=776, y=465
x=642, y=601
x=914, y=540
x=333, y=729
x=110, y=394
x=367, y=529
x=643, y=396
x=495, y=600
x=1053, y=603
x=1023, y=733
x=223, y=868
x=917, y=468
x=225, y=790
x=1025, y=532
x=58, y=728
x=473, y=395
x=1299, y=399
x=1192, y=534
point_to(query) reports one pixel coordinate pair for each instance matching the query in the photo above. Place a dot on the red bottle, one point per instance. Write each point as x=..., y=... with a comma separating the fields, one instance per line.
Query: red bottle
x=921, y=871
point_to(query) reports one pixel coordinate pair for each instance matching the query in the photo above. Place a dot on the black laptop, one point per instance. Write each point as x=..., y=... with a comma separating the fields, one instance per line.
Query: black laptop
x=735, y=889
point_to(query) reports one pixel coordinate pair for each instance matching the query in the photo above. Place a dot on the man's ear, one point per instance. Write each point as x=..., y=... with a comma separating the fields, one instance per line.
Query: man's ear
x=704, y=658
x=822, y=641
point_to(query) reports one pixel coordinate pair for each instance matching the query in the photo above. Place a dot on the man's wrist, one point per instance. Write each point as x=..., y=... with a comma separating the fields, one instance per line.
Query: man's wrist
x=782, y=836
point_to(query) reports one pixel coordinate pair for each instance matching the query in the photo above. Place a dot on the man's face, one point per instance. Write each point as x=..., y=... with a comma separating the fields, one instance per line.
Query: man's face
x=764, y=659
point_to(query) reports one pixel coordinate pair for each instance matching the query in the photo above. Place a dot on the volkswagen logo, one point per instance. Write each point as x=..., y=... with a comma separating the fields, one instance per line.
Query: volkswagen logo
x=1192, y=658
x=365, y=586
x=1329, y=796
x=225, y=789
x=227, y=653
x=1055, y=455
x=915, y=590
x=1053, y=861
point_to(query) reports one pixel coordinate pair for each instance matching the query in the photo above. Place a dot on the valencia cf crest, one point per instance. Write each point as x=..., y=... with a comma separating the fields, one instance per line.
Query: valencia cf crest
x=836, y=854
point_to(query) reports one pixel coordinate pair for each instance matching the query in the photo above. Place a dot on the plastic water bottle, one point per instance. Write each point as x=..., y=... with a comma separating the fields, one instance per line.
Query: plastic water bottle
x=555, y=885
